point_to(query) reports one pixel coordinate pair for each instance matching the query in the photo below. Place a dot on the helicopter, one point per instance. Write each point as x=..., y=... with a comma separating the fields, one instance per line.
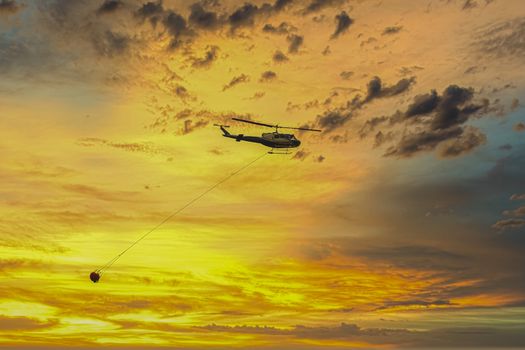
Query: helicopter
x=274, y=140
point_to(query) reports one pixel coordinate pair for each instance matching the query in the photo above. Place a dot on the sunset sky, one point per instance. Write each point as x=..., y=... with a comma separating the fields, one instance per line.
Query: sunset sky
x=400, y=225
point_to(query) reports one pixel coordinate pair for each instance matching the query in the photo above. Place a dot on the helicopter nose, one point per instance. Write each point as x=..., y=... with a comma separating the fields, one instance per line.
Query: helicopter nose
x=297, y=143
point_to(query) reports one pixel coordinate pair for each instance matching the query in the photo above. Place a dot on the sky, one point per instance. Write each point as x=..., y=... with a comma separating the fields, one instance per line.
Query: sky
x=400, y=225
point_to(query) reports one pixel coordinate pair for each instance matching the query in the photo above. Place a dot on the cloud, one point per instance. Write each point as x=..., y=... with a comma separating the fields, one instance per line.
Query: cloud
x=517, y=197
x=300, y=155
x=257, y=95
x=518, y=212
x=177, y=27
x=502, y=39
x=244, y=16
x=414, y=302
x=134, y=147
x=469, y=140
x=343, y=23
x=178, y=124
x=281, y=29
x=318, y=5
x=505, y=224
x=209, y=57
x=12, y=265
x=268, y=76
x=111, y=44
x=519, y=127
x=433, y=121
x=151, y=11
x=423, y=104
x=109, y=6
x=332, y=120
x=346, y=75
x=424, y=257
x=190, y=126
x=201, y=18
x=279, y=57
x=9, y=7
x=243, y=78
x=377, y=90
x=392, y=30
x=371, y=124
x=294, y=42
x=280, y=5
x=25, y=324
x=411, y=144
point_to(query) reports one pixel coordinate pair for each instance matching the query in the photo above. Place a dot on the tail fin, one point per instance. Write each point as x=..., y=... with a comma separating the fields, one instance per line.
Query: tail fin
x=224, y=131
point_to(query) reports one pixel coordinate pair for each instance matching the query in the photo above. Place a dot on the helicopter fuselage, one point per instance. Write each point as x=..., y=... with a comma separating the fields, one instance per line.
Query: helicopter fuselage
x=270, y=139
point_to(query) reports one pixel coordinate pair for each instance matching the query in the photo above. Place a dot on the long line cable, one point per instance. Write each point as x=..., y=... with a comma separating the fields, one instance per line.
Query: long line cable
x=112, y=261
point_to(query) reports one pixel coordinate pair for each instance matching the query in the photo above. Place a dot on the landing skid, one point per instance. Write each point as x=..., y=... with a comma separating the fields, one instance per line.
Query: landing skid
x=280, y=151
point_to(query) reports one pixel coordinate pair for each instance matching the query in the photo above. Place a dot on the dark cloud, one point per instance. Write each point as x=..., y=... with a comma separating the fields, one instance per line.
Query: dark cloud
x=332, y=120
x=326, y=51
x=243, y=78
x=294, y=42
x=151, y=11
x=268, y=76
x=411, y=144
x=392, y=30
x=423, y=104
x=244, y=16
x=301, y=155
x=283, y=28
x=469, y=140
x=318, y=5
x=176, y=26
x=280, y=5
x=346, y=75
x=438, y=121
x=111, y=44
x=109, y=6
x=505, y=147
x=375, y=89
x=519, y=127
x=208, y=59
x=201, y=18
x=343, y=23
x=434, y=338
x=279, y=57
x=8, y=7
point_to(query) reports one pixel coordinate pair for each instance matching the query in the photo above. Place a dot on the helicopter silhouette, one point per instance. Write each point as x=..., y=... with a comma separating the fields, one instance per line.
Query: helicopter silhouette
x=274, y=140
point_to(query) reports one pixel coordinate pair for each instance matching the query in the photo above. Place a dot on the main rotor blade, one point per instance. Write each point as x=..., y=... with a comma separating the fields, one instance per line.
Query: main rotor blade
x=256, y=123
x=305, y=129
